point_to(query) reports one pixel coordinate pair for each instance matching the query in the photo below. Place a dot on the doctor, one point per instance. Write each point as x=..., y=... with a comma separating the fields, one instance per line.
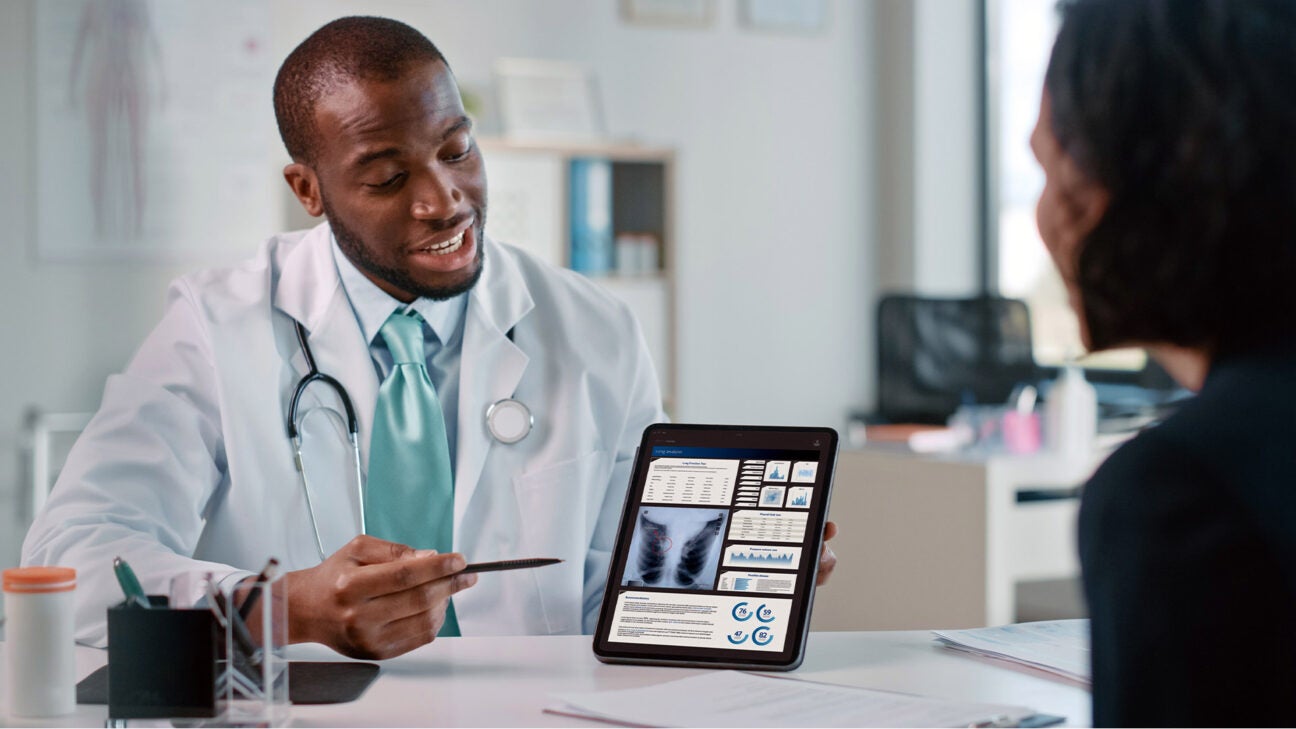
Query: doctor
x=187, y=469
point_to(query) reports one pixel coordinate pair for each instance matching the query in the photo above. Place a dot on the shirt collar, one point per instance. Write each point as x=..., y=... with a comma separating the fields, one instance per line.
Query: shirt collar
x=373, y=306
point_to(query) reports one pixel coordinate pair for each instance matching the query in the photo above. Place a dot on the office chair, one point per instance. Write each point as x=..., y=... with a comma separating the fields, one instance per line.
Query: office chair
x=937, y=353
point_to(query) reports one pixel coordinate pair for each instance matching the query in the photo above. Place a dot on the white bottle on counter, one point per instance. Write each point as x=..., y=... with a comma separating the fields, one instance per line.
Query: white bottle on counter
x=1071, y=414
x=40, y=675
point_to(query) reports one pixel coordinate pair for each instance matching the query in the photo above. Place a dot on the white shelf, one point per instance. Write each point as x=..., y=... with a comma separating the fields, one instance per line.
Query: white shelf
x=528, y=191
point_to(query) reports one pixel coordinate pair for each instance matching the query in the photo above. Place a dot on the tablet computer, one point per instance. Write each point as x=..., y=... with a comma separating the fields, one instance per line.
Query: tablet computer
x=718, y=550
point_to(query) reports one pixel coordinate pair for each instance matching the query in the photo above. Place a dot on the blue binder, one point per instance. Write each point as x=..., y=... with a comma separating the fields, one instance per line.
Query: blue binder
x=591, y=215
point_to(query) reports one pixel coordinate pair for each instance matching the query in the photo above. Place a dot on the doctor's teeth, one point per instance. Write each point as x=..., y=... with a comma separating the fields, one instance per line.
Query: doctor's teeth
x=449, y=246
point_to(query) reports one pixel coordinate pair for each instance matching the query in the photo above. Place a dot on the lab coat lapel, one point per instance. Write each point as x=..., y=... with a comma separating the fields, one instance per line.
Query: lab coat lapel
x=310, y=292
x=492, y=365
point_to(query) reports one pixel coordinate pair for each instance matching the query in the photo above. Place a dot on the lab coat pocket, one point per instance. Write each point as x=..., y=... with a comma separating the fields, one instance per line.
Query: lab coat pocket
x=558, y=505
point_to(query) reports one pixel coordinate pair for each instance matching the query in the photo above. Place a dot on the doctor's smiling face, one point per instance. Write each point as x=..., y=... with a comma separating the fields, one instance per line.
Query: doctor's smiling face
x=398, y=174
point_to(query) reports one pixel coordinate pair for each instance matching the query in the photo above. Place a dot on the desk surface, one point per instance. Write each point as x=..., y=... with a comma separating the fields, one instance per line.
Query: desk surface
x=507, y=681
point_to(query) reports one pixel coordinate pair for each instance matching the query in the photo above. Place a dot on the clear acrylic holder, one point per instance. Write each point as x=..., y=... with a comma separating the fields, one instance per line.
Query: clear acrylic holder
x=252, y=671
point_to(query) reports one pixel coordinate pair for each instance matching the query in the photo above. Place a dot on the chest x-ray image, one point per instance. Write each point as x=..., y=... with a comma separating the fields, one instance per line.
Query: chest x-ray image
x=676, y=548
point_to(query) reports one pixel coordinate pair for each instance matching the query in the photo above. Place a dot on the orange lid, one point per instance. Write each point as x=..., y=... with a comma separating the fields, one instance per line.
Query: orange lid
x=39, y=579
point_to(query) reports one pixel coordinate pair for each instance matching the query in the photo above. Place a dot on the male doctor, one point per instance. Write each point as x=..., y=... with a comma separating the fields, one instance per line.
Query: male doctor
x=425, y=323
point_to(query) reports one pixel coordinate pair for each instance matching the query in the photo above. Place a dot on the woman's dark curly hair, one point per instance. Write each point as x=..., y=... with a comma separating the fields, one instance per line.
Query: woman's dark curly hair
x=1185, y=111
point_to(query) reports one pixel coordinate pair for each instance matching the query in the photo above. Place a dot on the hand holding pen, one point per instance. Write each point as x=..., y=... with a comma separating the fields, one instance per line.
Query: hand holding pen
x=239, y=621
x=372, y=598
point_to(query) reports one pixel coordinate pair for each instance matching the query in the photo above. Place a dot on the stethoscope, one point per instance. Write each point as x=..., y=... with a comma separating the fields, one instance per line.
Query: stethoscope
x=508, y=420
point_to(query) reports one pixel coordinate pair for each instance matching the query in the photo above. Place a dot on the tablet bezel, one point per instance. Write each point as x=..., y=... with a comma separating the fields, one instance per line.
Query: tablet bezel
x=719, y=436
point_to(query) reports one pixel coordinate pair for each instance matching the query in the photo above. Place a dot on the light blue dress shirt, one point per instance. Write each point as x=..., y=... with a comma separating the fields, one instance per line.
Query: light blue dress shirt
x=442, y=335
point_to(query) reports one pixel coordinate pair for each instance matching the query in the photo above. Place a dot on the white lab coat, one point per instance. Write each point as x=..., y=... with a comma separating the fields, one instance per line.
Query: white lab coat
x=187, y=467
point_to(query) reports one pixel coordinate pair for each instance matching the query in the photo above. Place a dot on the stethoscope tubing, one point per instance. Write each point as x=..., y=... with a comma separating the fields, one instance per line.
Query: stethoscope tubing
x=294, y=434
x=314, y=375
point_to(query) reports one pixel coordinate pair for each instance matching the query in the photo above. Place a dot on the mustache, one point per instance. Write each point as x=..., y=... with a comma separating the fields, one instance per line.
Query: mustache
x=436, y=226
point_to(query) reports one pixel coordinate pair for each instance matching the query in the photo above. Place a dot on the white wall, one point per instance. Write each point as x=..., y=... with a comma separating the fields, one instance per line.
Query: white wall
x=946, y=166
x=928, y=135
x=777, y=202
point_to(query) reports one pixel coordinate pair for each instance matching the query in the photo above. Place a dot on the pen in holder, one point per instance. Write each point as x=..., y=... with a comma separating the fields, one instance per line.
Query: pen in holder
x=252, y=670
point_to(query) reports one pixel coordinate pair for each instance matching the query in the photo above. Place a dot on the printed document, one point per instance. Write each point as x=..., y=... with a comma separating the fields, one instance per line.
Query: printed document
x=1059, y=647
x=737, y=699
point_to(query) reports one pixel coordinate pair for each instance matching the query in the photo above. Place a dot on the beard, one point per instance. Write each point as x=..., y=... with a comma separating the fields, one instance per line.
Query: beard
x=355, y=249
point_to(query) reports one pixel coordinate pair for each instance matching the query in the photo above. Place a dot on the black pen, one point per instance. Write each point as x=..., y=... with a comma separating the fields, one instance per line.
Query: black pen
x=508, y=564
x=270, y=571
x=243, y=643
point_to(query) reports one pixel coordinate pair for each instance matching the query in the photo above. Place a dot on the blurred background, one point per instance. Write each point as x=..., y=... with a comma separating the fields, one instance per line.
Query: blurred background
x=752, y=175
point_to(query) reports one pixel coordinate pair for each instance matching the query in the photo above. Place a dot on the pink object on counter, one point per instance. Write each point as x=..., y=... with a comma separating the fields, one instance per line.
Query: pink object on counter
x=1021, y=432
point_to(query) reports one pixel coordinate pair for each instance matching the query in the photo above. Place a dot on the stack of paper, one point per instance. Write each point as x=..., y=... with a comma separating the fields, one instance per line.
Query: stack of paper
x=1059, y=647
x=733, y=698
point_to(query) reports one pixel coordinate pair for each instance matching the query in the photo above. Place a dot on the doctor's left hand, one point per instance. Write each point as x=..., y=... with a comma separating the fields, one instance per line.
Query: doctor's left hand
x=827, y=560
x=373, y=598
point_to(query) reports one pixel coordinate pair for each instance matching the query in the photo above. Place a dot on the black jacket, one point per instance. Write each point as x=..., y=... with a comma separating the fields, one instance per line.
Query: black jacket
x=1188, y=543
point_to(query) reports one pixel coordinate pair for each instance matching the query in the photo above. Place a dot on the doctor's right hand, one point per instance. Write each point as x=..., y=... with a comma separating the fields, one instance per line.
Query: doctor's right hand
x=373, y=598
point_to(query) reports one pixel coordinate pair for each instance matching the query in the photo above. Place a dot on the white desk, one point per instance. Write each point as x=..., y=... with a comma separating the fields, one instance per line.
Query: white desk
x=507, y=681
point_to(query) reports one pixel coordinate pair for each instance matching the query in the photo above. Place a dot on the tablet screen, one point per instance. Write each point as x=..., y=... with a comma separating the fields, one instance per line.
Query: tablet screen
x=718, y=550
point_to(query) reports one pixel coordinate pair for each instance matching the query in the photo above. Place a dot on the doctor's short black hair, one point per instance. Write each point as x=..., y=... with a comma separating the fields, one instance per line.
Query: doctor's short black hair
x=1185, y=112
x=346, y=49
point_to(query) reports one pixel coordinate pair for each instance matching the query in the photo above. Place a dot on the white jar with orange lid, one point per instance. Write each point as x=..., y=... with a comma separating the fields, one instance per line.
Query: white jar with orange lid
x=40, y=648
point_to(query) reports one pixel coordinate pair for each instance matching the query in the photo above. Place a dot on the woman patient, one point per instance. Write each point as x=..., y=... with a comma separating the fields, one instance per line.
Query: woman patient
x=1167, y=134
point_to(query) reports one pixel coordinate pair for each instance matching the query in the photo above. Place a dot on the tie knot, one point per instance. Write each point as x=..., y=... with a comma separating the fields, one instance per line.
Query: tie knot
x=404, y=336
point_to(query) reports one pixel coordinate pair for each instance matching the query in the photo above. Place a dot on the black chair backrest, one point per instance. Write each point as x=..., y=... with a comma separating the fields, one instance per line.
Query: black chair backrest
x=934, y=353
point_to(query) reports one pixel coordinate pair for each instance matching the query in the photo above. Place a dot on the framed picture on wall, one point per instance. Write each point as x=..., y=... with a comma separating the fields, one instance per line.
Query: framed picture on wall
x=547, y=100
x=677, y=13
x=785, y=16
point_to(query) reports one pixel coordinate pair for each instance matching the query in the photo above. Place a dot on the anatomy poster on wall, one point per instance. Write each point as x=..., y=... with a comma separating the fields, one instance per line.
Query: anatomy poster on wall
x=155, y=129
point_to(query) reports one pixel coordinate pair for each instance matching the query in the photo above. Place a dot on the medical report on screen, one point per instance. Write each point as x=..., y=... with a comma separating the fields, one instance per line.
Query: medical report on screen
x=719, y=549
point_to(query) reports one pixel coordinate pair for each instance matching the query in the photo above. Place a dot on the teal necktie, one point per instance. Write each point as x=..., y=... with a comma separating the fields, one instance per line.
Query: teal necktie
x=410, y=493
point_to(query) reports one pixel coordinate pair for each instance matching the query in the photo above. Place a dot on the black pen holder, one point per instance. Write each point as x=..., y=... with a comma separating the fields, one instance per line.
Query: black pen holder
x=162, y=662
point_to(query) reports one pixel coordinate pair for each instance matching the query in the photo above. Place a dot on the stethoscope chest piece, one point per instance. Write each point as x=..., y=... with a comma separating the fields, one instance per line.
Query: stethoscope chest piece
x=509, y=421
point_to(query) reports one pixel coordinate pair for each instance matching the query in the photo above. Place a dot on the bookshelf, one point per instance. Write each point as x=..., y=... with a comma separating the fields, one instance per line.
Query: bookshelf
x=604, y=210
